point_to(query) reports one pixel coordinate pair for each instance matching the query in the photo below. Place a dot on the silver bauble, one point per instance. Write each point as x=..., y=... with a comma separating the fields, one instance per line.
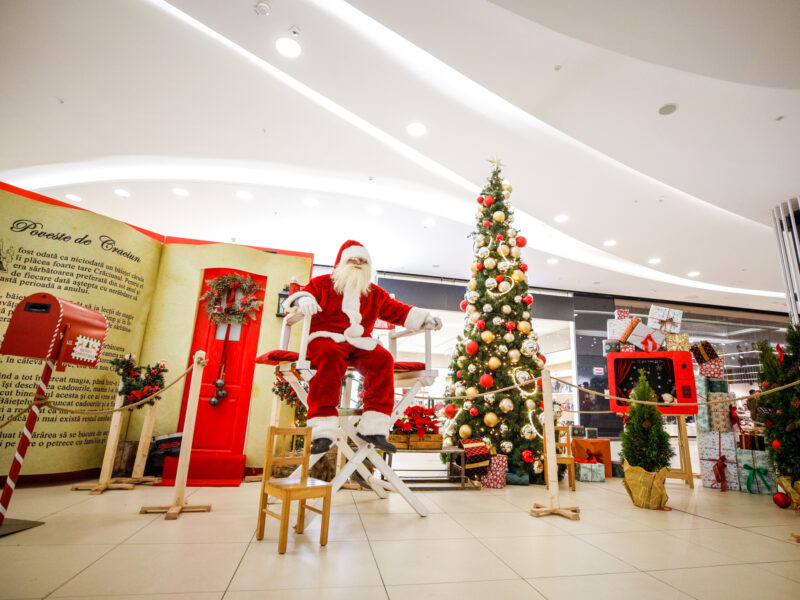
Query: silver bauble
x=489, y=398
x=506, y=447
x=487, y=308
x=529, y=347
x=505, y=309
x=503, y=427
x=538, y=362
x=480, y=240
x=504, y=267
x=527, y=316
x=506, y=194
x=513, y=242
x=518, y=299
x=524, y=376
x=498, y=320
x=516, y=252
x=459, y=389
x=489, y=263
x=491, y=284
x=528, y=431
x=472, y=296
x=503, y=286
x=538, y=466
x=506, y=404
x=484, y=252
x=474, y=315
x=472, y=368
x=533, y=335
x=487, y=441
x=467, y=405
x=502, y=348
x=512, y=232
x=509, y=337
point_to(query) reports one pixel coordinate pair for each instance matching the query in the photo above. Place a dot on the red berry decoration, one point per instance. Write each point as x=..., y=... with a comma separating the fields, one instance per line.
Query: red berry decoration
x=450, y=411
x=781, y=500
x=499, y=237
x=487, y=223
x=486, y=380
x=480, y=199
x=473, y=411
x=523, y=267
x=521, y=241
x=499, y=278
x=480, y=324
x=479, y=266
x=527, y=456
x=488, y=200
x=471, y=347
x=765, y=385
x=510, y=325
x=776, y=445
x=528, y=299
x=463, y=305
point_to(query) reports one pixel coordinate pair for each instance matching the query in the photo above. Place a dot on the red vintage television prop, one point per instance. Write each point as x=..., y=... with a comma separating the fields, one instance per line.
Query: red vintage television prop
x=666, y=372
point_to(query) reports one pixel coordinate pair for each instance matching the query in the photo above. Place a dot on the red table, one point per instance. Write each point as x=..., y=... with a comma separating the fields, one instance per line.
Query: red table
x=600, y=449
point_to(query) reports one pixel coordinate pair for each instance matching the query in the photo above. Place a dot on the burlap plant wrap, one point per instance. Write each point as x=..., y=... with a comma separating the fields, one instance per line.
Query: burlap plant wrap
x=645, y=488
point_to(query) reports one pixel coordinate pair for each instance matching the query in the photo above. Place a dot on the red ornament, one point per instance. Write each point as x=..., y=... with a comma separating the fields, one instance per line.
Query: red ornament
x=487, y=223
x=543, y=358
x=499, y=278
x=781, y=500
x=780, y=353
x=765, y=385
x=463, y=305
x=450, y=411
x=480, y=324
x=480, y=199
x=510, y=325
x=527, y=456
x=523, y=267
x=472, y=347
x=521, y=241
x=458, y=373
x=473, y=411
x=488, y=201
x=776, y=445
x=486, y=381
x=528, y=299
x=479, y=266
x=768, y=423
x=541, y=404
x=539, y=383
x=499, y=237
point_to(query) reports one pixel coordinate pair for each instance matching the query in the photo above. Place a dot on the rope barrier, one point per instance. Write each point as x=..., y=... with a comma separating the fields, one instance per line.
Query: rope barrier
x=42, y=400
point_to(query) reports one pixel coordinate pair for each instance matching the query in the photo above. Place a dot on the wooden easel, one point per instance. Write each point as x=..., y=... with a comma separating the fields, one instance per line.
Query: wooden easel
x=554, y=508
x=685, y=472
x=179, y=503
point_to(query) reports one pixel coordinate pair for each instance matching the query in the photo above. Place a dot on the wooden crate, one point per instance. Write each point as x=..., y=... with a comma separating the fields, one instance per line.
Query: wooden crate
x=400, y=440
x=431, y=441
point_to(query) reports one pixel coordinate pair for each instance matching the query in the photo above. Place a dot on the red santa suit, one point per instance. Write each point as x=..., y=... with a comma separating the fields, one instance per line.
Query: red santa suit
x=340, y=336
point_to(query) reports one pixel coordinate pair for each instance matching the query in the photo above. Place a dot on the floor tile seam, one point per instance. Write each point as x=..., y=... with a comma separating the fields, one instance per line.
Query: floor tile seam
x=372, y=550
x=668, y=584
x=239, y=564
x=604, y=551
x=694, y=567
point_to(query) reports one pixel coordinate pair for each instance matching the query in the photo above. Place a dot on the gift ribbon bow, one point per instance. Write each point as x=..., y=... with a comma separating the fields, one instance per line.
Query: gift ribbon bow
x=734, y=417
x=667, y=322
x=760, y=472
x=719, y=473
x=586, y=461
x=594, y=456
x=649, y=344
x=703, y=352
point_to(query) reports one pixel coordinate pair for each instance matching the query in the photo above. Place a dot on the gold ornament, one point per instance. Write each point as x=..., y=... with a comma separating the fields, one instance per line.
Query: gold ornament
x=464, y=431
x=474, y=267
x=530, y=404
x=506, y=309
x=514, y=355
x=538, y=467
x=472, y=284
x=490, y=419
x=503, y=250
x=516, y=252
x=509, y=337
x=480, y=241
x=487, y=336
x=506, y=405
x=524, y=326
x=499, y=216
x=494, y=363
x=506, y=194
x=512, y=233
x=448, y=442
x=517, y=276
x=526, y=315
x=504, y=286
x=472, y=392
x=506, y=185
x=490, y=263
x=461, y=361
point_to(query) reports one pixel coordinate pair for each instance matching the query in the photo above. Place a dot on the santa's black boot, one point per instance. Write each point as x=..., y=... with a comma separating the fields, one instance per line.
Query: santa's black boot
x=321, y=445
x=380, y=442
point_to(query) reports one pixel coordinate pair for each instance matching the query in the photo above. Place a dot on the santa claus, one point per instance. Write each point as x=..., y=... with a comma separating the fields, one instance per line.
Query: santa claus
x=343, y=308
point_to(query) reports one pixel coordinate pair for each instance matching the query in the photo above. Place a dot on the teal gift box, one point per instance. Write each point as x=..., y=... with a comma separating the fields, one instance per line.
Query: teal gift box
x=616, y=469
x=577, y=431
x=703, y=419
x=591, y=433
x=718, y=385
x=590, y=471
x=756, y=475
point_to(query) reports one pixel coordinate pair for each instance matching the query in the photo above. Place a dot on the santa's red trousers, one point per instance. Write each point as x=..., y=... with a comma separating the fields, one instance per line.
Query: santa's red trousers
x=330, y=359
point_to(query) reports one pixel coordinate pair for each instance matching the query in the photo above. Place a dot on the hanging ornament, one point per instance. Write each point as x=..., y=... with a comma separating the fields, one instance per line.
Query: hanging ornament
x=479, y=267
x=472, y=347
x=499, y=237
x=506, y=447
x=458, y=374
x=499, y=216
x=517, y=298
x=781, y=499
x=514, y=355
x=503, y=427
x=500, y=278
x=529, y=347
x=528, y=432
x=506, y=194
x=491, y=284
x=498, y=320
x=480, y=324
x=487, y=336
x=518, y=276
x=472, y=368
x=503, y=267
x=528, y=299
x=505, y=309
x=503, y=286
x=512, y=232
x=526, y=315
x=494, y=363
x=516, y=252
x=538, y=466
x=506, y=405
x=510, y=325
x=521, y=241
x=464, y=431
x=472, y=285
x=523, y=267
x=458, y=389
x=780, y=353
x=474, y=315
x=538, y=361
x=480, y=199
x=524, y=327
x=506, y=185
x=523, y=376
x=473, y=412
x=509, y=337
x=484, y=253
x=776, y=445
x=487, y=308
x=472, y=391
x=489, y=398
x=530, y=404
x=474, y=267
x=486, y=381
x=502, y=348
x=463, y=304
x=461, y=361
x=480, y=240
x=488, y=200
x=467, y=405
x=490, y=263
x=450, y=411
x=527, y=456
x=487, y=223
x=472, y=297
x=503, y=250
x=490, y=419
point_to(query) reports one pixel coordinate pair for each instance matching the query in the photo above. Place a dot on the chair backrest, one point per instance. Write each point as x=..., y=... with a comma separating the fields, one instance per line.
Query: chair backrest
x=283, y=448
x=563, y=440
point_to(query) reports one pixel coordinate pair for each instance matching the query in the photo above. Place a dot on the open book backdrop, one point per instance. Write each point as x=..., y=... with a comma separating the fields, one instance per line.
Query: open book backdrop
x=149, y=292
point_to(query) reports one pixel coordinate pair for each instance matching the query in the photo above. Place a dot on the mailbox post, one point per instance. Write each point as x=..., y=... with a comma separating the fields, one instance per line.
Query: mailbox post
x=60, y=333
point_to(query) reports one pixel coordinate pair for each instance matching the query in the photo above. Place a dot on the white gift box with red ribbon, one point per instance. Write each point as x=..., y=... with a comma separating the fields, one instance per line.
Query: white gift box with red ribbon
x=646, y=338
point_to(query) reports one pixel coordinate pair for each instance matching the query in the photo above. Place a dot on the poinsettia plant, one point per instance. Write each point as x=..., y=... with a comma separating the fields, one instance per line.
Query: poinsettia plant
x=417, y=419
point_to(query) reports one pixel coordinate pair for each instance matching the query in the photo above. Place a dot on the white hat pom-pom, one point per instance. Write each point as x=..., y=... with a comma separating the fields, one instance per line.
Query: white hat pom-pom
x=354, y=331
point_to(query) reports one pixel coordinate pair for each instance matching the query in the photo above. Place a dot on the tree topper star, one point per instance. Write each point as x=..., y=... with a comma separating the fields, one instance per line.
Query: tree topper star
x=498, y=164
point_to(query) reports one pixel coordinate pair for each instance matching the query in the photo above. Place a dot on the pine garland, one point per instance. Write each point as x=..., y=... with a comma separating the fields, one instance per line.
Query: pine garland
x=284, y=391
x=237, y=313
x=644, y=442
x=139, y=381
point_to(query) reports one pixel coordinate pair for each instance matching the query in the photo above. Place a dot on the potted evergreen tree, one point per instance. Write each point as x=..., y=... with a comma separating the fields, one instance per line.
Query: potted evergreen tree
x=646, y=450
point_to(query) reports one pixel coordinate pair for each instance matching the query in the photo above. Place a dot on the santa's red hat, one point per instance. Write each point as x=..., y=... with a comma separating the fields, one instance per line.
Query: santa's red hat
x=352, y=249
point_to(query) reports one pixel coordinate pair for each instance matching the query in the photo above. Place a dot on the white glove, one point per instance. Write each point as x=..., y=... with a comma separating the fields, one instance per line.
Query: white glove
x=432, y=322
x=308, y=306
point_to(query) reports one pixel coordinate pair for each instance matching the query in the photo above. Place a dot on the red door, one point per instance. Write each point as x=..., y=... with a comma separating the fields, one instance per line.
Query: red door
x=218, y=450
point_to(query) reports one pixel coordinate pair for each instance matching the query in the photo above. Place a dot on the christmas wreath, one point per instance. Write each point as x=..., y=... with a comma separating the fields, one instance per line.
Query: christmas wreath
x=222, y=290
x=417, y=419
x=139, y=381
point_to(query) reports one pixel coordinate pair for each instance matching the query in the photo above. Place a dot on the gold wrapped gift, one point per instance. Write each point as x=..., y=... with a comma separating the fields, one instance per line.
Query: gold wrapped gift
x=677, y=341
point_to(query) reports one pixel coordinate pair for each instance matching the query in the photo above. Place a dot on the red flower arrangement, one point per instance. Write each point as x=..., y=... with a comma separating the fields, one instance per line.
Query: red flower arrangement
x=417, y=419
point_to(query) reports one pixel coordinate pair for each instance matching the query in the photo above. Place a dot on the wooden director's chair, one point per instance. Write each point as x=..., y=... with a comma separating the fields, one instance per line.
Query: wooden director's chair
x=411, y=376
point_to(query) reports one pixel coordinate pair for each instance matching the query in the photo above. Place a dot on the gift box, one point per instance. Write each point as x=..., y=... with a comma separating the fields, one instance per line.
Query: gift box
x=664, y=319
x=718, y=460
x=616, y=469
x=627, y=348
x=645, y=338
x=622, y=313
x=591, y=433
x=611, y=346
x=714, y=368
x=496, y=476
x=755, y=472
x=589, y=470
x=718, y=385
x=577, y=431
x=703, y=352
x=677, y=341
x=719, y=414
x=477, y=457
x=752, y=441
x=615, y=328
x=702, y=419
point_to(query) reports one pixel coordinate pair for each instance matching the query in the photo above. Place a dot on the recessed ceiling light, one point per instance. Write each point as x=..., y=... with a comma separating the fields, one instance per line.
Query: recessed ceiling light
x=374, y=210
x=552, y=261
x=73, y=197
x=668, y=109
x=416, y=129
x=122, y=193
x=429, y=222
x=180, y=191
x=609, y=243
x=244, y=195
x=654, y=261
x=693, y=273
x=561, y=218
x=311, y=201
x=288, y=47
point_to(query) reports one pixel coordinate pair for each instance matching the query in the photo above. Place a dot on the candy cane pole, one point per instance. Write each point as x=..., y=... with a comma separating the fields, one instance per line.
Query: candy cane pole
x=24, y=441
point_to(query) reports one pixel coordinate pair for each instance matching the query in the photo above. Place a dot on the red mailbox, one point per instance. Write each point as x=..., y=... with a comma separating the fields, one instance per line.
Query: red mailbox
x=50, y=328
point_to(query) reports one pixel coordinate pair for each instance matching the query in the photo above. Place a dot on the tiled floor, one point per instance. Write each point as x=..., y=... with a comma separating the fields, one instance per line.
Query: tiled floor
x=474, y=544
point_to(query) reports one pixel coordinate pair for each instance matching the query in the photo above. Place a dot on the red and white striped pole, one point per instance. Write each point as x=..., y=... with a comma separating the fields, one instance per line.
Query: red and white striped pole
x=24, y=441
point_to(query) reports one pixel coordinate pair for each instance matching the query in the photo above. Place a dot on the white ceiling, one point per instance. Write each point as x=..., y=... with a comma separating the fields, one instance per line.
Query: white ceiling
x=150, y=95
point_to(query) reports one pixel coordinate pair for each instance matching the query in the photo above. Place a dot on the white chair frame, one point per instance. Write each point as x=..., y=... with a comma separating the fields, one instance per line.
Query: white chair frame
x=300, y=371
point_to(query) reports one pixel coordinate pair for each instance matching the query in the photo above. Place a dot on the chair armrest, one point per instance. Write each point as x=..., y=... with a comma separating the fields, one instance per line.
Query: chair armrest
x=286, y=333
x=395, y=334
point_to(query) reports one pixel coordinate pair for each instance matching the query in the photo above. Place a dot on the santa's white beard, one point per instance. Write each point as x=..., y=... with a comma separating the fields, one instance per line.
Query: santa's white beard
x=354, y=279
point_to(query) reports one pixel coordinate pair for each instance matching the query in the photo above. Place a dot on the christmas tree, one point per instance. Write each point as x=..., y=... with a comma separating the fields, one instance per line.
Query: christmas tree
x=644, y=442
x=780, y=411
x=498, y=348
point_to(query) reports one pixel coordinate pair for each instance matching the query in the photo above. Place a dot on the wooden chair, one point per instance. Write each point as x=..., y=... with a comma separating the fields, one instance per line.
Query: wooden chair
x=563, y=454
x=287, y=489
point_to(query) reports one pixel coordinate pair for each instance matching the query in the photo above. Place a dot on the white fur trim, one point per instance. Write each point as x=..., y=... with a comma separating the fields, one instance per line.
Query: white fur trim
x=354, y=331
x=374, y=423
x=294, y=297
x=416, y=318
x=362, y=343
x=355, y=252
x=324, y=427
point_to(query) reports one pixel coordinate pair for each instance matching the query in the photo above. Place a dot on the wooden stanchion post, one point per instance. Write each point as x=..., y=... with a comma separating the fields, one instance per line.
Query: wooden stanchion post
x=554, y=508
x=143, y=449
x=179, y=503
x=685, y=472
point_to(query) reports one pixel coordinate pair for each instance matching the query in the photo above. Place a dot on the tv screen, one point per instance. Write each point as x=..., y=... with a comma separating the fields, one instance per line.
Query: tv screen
x=668, y=373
